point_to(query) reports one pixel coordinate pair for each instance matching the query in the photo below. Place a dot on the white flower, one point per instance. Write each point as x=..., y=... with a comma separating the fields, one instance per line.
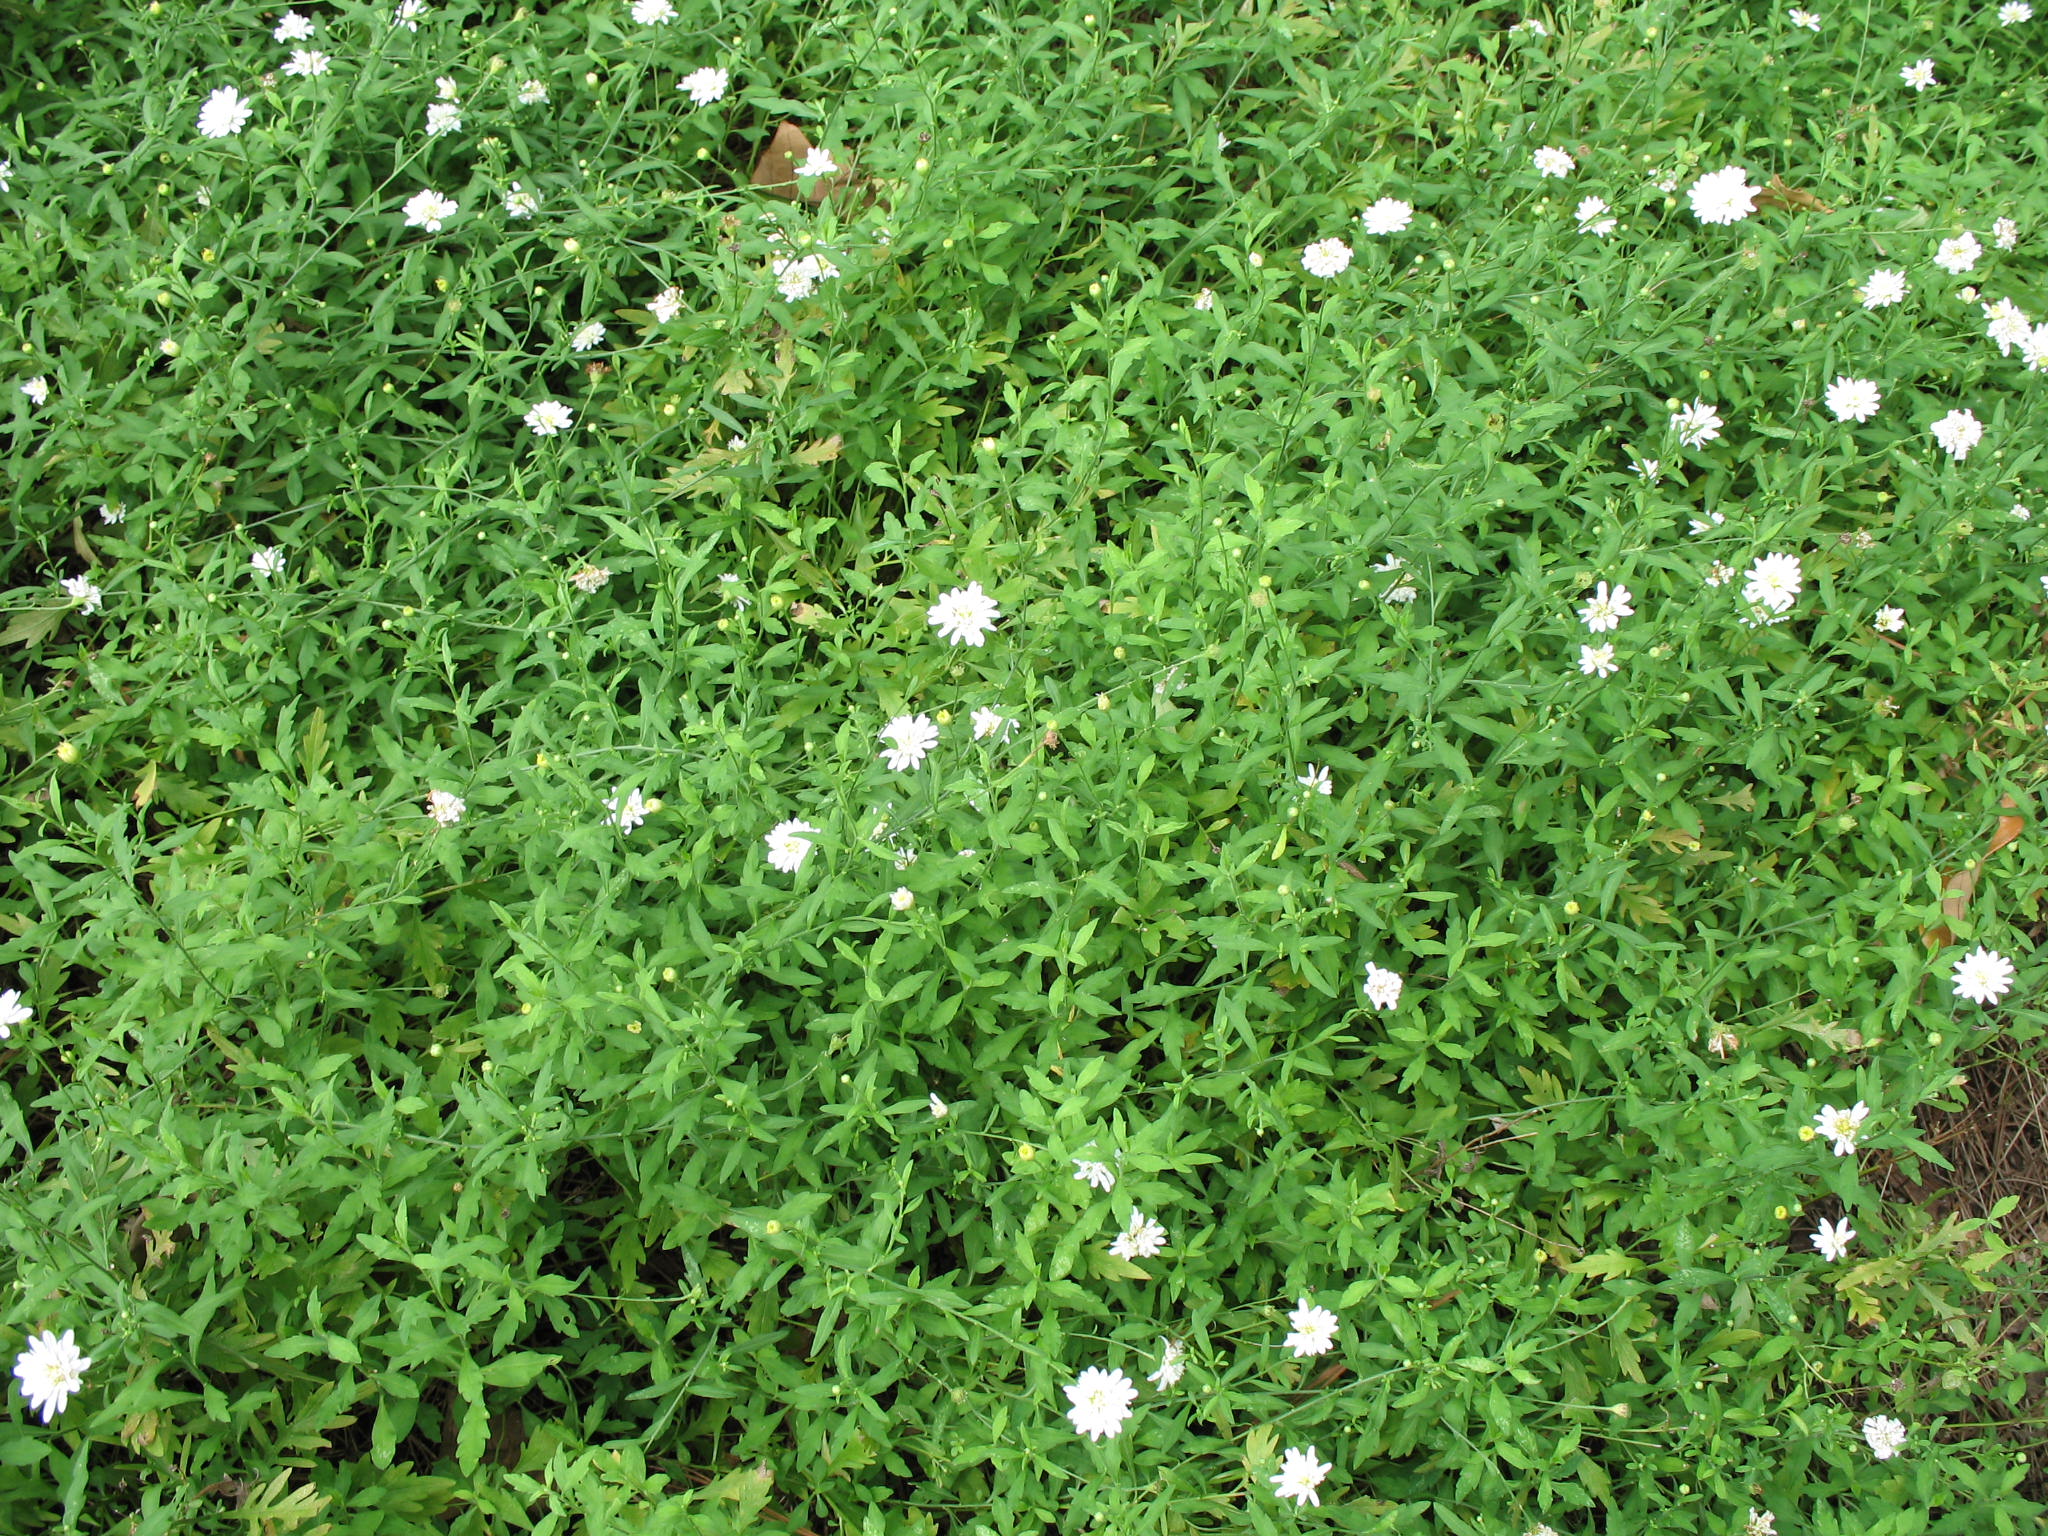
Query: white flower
x=1919, y=75
x=1648, y=469
x=588, y=578
x=1958, y=255
x=1719, y=574
x=1853, y=399
x=1206, y=300
x=425, y=210
x=6, y=172
x=1255, y=259
x=653, y=13
x=1833, y=1239
x=788, y=844
x=1805, y=19
x=1724, y=196
x=1840, y=1126
x=1696, y=424
x=1382, y=987
x=520, y=203
x=2018, y=510
x=224, y=114
x=12, y=1012
x=737, y=443
x=1774, y=582
x=445, y=808
x=1098, y=1174
x=547, y=417
x=1889, y=621
x=1316, y=781
x=1554, y=162
x=909, y=737
x=292, y=28
x=2007, y=325
x=2014, y=12
x=1401, y=594
x=1761, y=1522
x=50, y=1370
x=936, y=1105
x=1142, y=1239
x=587, y=337
x=964, y=615
x=1315, y=1329
x=1102, y=1401
x=1530, y=25
x=1598, y=661
x=1886, y=1436
x=1958, y=432
x=1388, y=216
x=1173, y=1361
x=705, y=85
x=2034, y=350
x=1325, y=258
x=798, y=276
x=1300, y=1475
x=1606, y=608
x=1883, y=287
x=113, y=514
x=666, y=305
x=408, y=14
x=267, y=562
x=83, y=591
x=1593, y=217
x=2004, y=234
x=446, y=88
x=902, y=899
x=627, y=809
x=532, y=93
x=306, y=62
x=987, y=722
x=37, y=389
x=443, y=117
x=1983, y=976
x=818, y=162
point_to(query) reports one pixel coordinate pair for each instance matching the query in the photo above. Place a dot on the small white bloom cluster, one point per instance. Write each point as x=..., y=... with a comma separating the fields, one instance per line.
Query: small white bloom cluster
x=1388, y=216
x=1326, y=258
x=704, y=86
x=1723, y=197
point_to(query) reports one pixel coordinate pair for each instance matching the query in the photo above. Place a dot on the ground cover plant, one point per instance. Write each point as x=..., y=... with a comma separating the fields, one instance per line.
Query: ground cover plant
x=942, y=768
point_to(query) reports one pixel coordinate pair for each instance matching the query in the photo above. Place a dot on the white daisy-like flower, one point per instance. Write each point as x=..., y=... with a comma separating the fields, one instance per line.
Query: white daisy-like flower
x=1958, y=432
x=705, y=85
x=818, y=162
x=1919, y=74
x=1382, y=987
x=1314, y=1329
x=653, y=13
x=548, y=417
x=306, y=63
x=2007, y=325
x=1882, y=287
x=589, y=578
x=446, y=809
x=586, y=338
x=37, y=389
x=113, y=514
x=797, y=277
x=1325, y=258
x=1173, y=1361
x=6, y=172
x=1885, y=1436
x=1087, y=1171
x=987, y=722
x=1651, y=470
x=1102, y=1401
x=1593, y=217
x=908, y=738
x=2004, y=234
x=2034, y=350
x=737, y=443
x=1300, y=1475
x=520, y=203
x=628, y=809
x=1606, y=608
x=443, y=117
x=1983, y=976
x=84, y=591
x=1696, y=424
x=1206, y=300
x=225, y=114
x=1804, y=19
x=1316, y=781
x=1841, y=1126
x=292, y=28
x=1774, y=582
x=426, y=210
x=1889, y=621
x=446, y=88
x=1598, y=661
x=50, y=1370
x=965, y=615
x=532, y=93
x=1833, y=1239
x=1553, y=162
x=788, y=844
x=1141, y=1239
x=1853, y=399
x=1958, y=254
x=267, y=562
x=666, y=305
x=13, y=1012
x=1388, y=216
x=902, y=899
x=1723, y=197
x=2013, y=12
x=408, y=14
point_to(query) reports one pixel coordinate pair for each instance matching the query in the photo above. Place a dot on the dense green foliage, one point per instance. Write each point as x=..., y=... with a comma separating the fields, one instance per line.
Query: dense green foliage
x=534, y=1173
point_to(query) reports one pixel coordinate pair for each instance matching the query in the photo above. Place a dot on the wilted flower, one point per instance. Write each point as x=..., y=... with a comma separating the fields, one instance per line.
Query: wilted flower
x=1172, y=1362
x=50, y=1370
x=1723, y=197
x=2004, y=234
x=1102, y=1401
x=788, y=845
x=532, y=93
x=224, y=114
x=1300, y=1475
x=520, y=203
x=936, y=1105
x=588, y=578
x=1206, y=300
x=1983, y=976
x=1651, y=470
x=1314, y=1329
x=445, y=808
